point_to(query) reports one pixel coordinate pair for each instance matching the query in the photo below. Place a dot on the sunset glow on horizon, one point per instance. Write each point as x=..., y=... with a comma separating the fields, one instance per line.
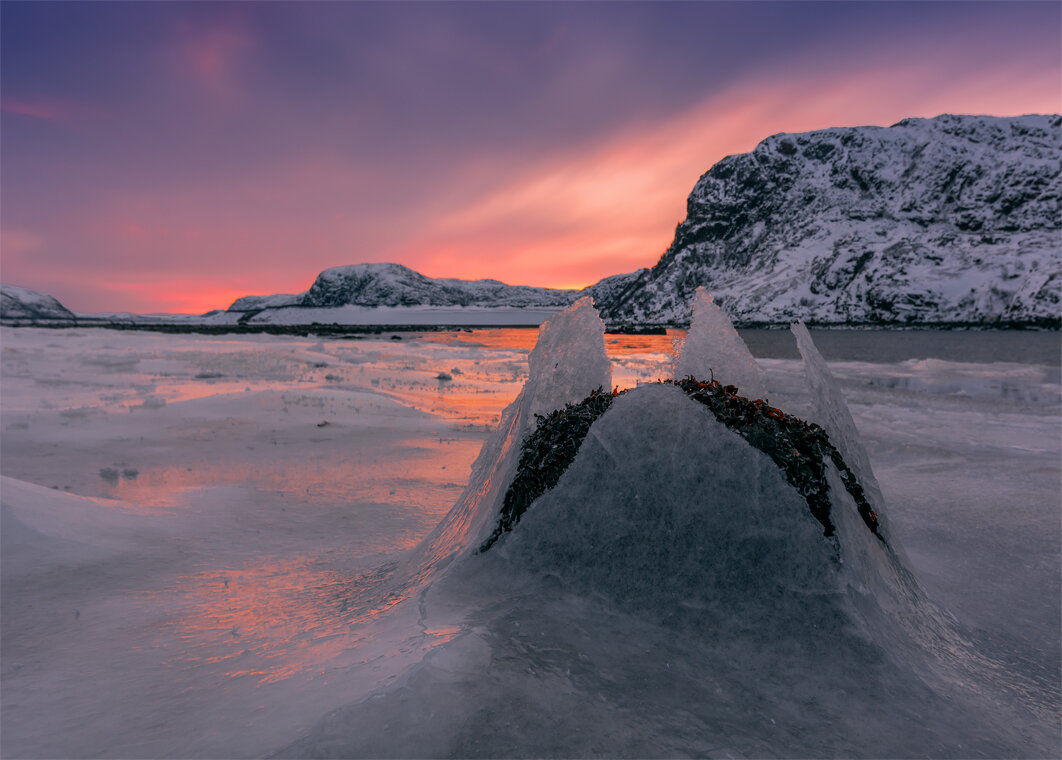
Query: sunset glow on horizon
x=173, y=157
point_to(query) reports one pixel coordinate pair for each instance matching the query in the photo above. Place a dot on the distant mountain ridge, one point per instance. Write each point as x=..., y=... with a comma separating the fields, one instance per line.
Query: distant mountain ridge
x=374, y=285
x=948, y=220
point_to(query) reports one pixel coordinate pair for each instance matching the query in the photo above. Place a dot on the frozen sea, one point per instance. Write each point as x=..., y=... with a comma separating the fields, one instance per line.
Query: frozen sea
x=210, y=549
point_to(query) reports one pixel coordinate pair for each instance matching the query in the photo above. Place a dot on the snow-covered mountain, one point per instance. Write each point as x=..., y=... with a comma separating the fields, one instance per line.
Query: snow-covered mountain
x=944, y=220
x=376, y=285
x=24, y=304
x=256, y=303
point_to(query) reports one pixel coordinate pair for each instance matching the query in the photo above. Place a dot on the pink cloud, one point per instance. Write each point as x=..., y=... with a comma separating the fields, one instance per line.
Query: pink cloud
x=40, y=109
x=16, y=240
x=211, y=55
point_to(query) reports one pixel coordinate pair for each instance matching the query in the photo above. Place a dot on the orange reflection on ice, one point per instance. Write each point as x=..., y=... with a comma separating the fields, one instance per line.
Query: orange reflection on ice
x=524, y=339
x=332, y=485
x=273, y=620
x=627, y=345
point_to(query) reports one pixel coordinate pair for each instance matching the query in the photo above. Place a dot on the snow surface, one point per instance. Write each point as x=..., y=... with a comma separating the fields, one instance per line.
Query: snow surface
x=233, y=547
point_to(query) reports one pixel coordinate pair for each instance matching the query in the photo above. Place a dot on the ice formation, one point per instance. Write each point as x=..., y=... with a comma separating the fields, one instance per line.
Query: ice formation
x=566, y=364
x=828, y=408
x=713, y=348
x=672, y=570
x=569, y=359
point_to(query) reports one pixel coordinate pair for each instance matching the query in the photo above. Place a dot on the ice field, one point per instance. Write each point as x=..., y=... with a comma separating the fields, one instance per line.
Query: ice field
x=266, y=546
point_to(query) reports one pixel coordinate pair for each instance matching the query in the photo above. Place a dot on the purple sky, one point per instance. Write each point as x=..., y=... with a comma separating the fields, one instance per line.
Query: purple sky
x=171, y=157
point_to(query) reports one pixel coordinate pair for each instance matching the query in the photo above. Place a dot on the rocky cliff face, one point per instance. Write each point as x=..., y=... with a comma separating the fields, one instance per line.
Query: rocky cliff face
x=24, y=304
x=945, y=220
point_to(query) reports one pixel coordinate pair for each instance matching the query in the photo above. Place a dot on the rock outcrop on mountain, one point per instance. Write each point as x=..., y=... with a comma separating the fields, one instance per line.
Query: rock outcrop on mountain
x=954, y=219
x=24, y=304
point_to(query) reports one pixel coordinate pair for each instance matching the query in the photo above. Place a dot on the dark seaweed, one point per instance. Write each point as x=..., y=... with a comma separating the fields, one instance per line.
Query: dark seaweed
x=546, y=454
x=799, y=448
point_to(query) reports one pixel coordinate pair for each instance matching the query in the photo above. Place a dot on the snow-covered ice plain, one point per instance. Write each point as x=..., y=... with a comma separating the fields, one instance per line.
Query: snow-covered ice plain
x=244, y=546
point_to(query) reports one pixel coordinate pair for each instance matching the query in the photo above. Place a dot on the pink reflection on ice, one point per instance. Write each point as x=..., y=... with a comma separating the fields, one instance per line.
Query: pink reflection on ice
x=274, y=619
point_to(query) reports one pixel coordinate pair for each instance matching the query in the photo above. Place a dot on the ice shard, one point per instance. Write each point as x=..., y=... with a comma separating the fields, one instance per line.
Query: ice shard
x=566, y=364
x=713, y=349
x=829, y=409
x=569, y=360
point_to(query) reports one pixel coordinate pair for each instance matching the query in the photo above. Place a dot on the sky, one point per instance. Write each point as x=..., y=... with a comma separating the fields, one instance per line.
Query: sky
x=175, y=156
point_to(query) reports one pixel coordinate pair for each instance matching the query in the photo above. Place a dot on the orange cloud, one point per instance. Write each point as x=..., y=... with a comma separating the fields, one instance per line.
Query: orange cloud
x=185, y=295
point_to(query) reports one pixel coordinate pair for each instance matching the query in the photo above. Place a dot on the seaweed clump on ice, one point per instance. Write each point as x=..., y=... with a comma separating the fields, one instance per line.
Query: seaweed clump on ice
x=546, y=453
x=799, y=448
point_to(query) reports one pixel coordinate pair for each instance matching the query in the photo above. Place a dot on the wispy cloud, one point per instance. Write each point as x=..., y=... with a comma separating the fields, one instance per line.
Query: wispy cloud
x=211, y=54
x=36, y=109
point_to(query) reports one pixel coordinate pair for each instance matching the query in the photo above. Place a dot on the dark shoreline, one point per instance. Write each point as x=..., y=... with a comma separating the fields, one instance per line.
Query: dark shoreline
x=335, y=329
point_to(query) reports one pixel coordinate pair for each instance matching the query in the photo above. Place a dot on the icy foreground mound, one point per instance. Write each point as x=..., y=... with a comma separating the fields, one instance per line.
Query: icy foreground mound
x=672, y=595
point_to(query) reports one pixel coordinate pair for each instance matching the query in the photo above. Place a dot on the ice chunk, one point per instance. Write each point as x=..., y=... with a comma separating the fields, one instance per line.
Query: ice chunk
x=829, y=409
x=714, y=348
x=569, y=359
x=566, y=364
x=664, y=504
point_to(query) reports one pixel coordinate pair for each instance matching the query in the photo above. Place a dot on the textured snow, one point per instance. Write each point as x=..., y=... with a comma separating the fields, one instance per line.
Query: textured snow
x=713, y=349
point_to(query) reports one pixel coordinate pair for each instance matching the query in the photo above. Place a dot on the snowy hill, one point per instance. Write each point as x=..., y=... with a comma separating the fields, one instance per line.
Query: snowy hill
x=393, y=285
x=255, y=303
x=24, y=304
x=947, y=220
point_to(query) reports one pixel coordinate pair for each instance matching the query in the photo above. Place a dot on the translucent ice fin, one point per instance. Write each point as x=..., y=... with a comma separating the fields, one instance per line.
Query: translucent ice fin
x=567, y=363
x=569, y=360
x=829, y=409
x=714, y=348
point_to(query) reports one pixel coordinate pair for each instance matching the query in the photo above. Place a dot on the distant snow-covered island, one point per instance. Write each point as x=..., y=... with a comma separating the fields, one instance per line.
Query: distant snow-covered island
x=945, y=222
